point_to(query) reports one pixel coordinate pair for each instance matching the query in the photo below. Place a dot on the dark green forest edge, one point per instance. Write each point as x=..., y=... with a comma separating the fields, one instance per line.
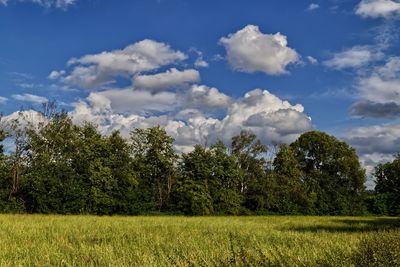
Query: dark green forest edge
x=62, y=168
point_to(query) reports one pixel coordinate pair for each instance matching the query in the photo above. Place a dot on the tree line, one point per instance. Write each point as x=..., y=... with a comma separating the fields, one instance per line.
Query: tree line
x=60, y=167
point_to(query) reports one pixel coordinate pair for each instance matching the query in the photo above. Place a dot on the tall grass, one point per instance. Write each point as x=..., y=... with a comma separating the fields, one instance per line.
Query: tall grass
x=38, y=240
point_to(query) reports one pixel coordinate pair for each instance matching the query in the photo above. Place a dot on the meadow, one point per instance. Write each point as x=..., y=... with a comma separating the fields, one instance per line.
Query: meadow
x=53, y=240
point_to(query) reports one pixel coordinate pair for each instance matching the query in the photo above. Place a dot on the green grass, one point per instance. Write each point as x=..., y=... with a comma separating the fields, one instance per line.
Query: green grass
x=38, y=240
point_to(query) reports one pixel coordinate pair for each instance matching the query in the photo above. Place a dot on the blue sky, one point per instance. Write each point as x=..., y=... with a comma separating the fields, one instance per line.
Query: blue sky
x=194, y=67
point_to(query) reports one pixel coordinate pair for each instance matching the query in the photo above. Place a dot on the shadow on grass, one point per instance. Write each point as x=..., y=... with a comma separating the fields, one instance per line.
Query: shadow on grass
x=352, y=225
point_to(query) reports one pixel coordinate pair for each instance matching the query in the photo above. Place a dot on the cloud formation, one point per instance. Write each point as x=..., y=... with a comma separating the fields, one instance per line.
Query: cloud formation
x=365, y=108
x=274, y=120
x=204, y=98
x=250, y=50
x=378, y=8
x=166, y=80
x=312, y=60
x=201, y=63
x=30, y=98
x=133, y=101
x=381, y=139
x=379, y=91
x=190, y=112
x=355, y=57
x=61, y=4
x=375, y=144
x=312, y=6
x=97, y=70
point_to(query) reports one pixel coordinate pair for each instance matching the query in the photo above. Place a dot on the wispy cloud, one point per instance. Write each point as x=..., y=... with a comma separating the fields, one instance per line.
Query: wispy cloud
x=354, y=57
x=3, y=99
x=312, y=6
x=30, y=98
x=60, y=4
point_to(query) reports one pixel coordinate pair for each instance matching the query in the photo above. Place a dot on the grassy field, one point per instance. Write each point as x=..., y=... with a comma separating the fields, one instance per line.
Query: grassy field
x=38, y=240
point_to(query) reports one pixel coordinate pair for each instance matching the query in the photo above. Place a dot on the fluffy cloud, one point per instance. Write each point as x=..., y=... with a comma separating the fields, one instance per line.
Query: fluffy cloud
x=204, y=98
x=378, y=8
x=54, y=75
x=274, y=120
x=375, y=144
x=96, y=70
x=354, y=57
x=285, y=121
x=380, y=91
x=3, y=99
x=30, y=98
x=190, y=113
x=24, y=118
x=249, y=50
x=383, y=139
x=200, y=63
x=133, y=101
x=169, y=79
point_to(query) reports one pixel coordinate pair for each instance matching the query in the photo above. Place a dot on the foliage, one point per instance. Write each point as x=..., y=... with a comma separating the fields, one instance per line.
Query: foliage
x=192, y=198
x=74, y=169
x=388, y=185
x=154, y=161
x=330, y=173
x=57, y=166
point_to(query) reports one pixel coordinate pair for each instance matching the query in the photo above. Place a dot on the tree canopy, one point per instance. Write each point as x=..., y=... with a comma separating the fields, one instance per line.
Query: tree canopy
x=60, y=167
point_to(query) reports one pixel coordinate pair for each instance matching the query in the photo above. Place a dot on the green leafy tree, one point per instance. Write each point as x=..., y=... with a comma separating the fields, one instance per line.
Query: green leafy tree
x=211, y=174
x=154, y=160
x=249, y=153
x=288, y=190
x=388, y=185
x=4, y=176
x=74, y=169
x=192, y=198
x=191, y=194
x=14, y=165
x=53, y=183
x=331, y=174
x=225, y=180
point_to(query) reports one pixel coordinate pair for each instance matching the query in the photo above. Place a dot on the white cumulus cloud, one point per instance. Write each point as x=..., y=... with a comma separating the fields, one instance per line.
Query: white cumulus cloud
x=134, y=101
x=169, y=79
x=96, y=70
x=278, y=121
x=201, y=63
x=203, y=97
x=378, y=8
x=375, y=144
x=250, y=50
x=379, y=91
x=272, y=119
